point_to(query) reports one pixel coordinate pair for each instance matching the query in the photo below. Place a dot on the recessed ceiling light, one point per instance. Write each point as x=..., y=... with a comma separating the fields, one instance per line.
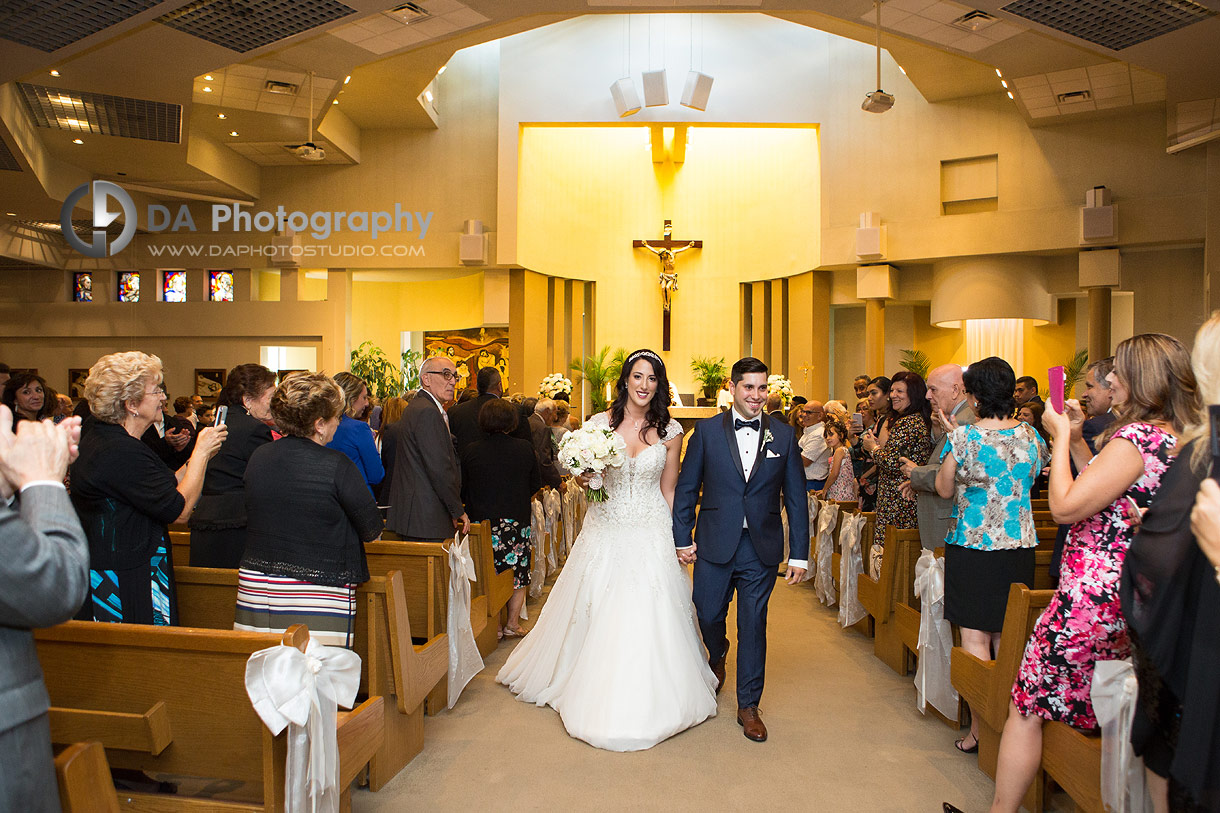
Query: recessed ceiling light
x=428, y=95
x=997, y=73
x=208, y=77
x=336, y=101
x=1010, y=94
x=1004, y=82
x=904, y=70
x=442, y=70
x=207, y=89
x=233, y=133
x=221, y=116
x=11, y=214
x=54, y=72
x=347, y=79
x=77, y=141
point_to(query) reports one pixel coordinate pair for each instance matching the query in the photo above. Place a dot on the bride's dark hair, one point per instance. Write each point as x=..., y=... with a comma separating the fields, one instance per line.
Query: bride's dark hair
x=658, y=408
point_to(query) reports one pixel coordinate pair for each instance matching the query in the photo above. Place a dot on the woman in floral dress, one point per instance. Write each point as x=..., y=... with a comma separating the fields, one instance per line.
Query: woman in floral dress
x=910, y=437
x=1155, y=397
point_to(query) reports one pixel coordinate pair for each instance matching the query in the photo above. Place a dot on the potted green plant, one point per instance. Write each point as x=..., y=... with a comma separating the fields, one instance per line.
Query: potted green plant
x=599, y=370
x=370, y=363
x=711, y=373
x=916, y=361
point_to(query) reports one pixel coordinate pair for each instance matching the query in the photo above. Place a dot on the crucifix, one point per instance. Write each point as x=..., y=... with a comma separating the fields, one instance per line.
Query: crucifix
x=666, y=250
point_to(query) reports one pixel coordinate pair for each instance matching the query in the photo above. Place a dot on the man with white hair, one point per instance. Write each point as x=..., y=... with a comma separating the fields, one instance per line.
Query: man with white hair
x=947, y=393
x=426, y=492
x=544, y=442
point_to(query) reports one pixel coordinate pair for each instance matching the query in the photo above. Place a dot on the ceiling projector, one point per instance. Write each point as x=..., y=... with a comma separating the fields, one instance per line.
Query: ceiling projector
x=877, y=102
x=310, y=152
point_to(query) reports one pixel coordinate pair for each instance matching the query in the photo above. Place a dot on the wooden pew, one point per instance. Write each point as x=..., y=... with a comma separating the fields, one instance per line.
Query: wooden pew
x=393, y=668
x=84, y=780
x=896, y=585
x=987, y=685
x=173, y=700
x=1073, y=761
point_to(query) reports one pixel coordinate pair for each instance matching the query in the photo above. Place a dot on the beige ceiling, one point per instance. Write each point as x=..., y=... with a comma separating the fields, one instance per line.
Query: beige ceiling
x=391, y=63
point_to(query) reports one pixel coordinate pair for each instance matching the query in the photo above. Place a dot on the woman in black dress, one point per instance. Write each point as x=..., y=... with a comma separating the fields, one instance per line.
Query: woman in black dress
x=218, y=526
x=499, y=476
x=125, y=496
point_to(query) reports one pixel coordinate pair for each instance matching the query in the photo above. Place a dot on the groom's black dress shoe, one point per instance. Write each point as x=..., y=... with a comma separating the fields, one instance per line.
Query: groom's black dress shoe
x=751, y=724
x=718, y=669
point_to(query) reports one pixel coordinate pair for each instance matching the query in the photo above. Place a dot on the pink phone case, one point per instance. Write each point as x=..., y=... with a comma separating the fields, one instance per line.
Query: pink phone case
x=1056, y=381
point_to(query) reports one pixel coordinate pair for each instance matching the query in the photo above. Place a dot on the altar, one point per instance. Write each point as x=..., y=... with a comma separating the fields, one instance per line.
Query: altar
x=688, y=415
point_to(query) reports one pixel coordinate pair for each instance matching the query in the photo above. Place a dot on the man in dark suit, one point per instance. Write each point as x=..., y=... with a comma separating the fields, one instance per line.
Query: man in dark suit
x=1026, y=391
x=44, y=574
x=544, y=442
x=947, y=393
x=464, y=418
x=426, y=494
x=741, y=460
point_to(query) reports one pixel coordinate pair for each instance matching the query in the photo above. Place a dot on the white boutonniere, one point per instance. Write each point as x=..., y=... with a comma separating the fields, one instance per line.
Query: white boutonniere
x=767, y=437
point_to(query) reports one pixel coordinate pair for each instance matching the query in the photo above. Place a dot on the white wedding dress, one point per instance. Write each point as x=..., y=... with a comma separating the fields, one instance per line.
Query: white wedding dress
x=616, y=650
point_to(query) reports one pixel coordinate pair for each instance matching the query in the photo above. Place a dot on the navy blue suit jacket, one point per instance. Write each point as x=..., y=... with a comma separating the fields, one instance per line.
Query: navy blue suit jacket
x=713, y=463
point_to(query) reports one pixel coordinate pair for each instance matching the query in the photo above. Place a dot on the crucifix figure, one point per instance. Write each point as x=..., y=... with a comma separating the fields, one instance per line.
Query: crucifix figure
x=666, y=250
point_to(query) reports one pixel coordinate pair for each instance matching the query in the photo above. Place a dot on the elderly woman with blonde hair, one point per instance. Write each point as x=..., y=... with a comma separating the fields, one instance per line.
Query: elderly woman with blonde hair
x=126, y=497
x=308, y=514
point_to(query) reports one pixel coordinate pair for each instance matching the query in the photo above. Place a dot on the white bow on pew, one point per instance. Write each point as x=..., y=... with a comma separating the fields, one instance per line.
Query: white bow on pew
x=851, y=565
x=550, y=505
x=932, y=682
x=538, y=543
x=301, y=691
x=823, y=581
x=464, y=659
x=1114, y=693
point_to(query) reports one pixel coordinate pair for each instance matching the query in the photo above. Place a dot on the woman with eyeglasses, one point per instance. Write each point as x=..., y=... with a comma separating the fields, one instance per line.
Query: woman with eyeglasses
x=126, y=497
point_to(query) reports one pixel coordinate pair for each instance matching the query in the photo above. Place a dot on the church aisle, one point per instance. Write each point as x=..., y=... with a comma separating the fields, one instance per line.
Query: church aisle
x=844, y=736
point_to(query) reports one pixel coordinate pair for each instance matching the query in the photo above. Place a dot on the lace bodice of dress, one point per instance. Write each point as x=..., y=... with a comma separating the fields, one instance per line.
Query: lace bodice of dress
x=634, y=488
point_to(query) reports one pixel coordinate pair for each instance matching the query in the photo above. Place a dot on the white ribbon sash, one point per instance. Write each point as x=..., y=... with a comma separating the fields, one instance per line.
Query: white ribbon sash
x=851, y=565
x=302, y=691
x=823, y=581
x=537, y=543
x=1114, y=693
x=932, y=682
x=550, y=504
x=464, y=659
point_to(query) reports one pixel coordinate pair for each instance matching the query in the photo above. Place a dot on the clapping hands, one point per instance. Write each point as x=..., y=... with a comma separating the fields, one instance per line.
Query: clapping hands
x=39, y=450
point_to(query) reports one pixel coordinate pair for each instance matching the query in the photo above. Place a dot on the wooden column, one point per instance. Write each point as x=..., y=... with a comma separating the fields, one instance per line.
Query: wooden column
x=874, y=336
x=1099, y=323
x=337, y=340
x=819, y=379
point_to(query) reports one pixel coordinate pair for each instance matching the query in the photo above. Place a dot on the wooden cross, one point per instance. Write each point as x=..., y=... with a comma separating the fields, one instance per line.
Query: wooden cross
x=666, y=250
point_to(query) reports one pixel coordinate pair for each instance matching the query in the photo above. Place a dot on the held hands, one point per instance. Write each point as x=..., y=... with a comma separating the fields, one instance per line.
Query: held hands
x=1205, y=520
x=687, y=556
x=795, y=575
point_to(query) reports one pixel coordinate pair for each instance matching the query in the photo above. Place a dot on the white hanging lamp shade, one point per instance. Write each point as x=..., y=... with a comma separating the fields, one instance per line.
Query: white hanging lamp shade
x=626, y=99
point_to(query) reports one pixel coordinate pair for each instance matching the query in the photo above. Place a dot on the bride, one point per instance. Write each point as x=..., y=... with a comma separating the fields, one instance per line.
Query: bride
x=616, y=650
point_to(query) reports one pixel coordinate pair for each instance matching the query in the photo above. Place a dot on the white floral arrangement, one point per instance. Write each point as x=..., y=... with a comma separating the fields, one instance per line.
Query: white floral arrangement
x=777, y=383
x=592, y=450
x=555, y=384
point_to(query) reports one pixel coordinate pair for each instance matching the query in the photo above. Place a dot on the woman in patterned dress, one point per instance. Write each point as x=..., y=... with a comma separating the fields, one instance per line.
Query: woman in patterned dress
x=910, y=437
x=1154, y=396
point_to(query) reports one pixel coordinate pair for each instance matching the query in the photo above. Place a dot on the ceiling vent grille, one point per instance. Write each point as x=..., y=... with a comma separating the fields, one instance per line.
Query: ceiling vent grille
x=974, y=21
x=281, y=88
x=83, y=112
x=408, y=13
x=8, y=161
x=243, y=25
x=1113, y=24
x=49, y=25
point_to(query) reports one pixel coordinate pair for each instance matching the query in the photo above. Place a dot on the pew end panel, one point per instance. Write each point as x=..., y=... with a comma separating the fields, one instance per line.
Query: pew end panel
x=84, y=779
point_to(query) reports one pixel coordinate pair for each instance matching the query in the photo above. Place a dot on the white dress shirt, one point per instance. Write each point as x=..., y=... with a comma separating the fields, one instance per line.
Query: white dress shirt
x=813, y=447
x=747, y=447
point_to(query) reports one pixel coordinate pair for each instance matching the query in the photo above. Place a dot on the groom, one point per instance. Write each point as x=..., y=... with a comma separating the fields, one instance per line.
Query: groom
x=742, y=459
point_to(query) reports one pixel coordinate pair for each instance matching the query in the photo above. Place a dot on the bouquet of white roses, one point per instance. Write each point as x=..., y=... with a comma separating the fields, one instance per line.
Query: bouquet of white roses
x=591, y=450
x=554, y=384
x=781, y=385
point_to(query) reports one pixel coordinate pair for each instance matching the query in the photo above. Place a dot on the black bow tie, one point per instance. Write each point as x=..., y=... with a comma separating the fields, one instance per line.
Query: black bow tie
x=739, y=424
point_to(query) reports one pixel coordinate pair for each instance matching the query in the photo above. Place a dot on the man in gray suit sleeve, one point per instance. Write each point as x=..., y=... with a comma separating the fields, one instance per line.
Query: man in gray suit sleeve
x=947, y=394
x=44, y=575
x=426, y=493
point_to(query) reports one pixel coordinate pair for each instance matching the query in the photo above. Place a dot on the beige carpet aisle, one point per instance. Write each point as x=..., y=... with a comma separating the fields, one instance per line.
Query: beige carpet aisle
x=844, y=736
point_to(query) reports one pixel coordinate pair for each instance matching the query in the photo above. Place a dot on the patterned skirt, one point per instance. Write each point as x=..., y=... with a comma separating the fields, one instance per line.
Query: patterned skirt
x=510, y=547
x=139, y=595
x=268, y=603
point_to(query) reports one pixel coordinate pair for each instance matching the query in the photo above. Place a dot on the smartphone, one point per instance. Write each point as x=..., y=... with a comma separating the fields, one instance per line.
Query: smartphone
x=222, y=414
x=1213, y=415
x=1057, y=385
x=857, y=422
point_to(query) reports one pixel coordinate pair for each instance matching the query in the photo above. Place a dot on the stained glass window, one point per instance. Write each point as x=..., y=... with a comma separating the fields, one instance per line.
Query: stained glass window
x=129, y=286
x=220, y=286
x=174, y=289
x=82, y=287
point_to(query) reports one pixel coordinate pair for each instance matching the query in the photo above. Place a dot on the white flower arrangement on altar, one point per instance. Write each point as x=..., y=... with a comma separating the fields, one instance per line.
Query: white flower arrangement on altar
x=777, y=383
x=591, y=450
x=554, y=384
